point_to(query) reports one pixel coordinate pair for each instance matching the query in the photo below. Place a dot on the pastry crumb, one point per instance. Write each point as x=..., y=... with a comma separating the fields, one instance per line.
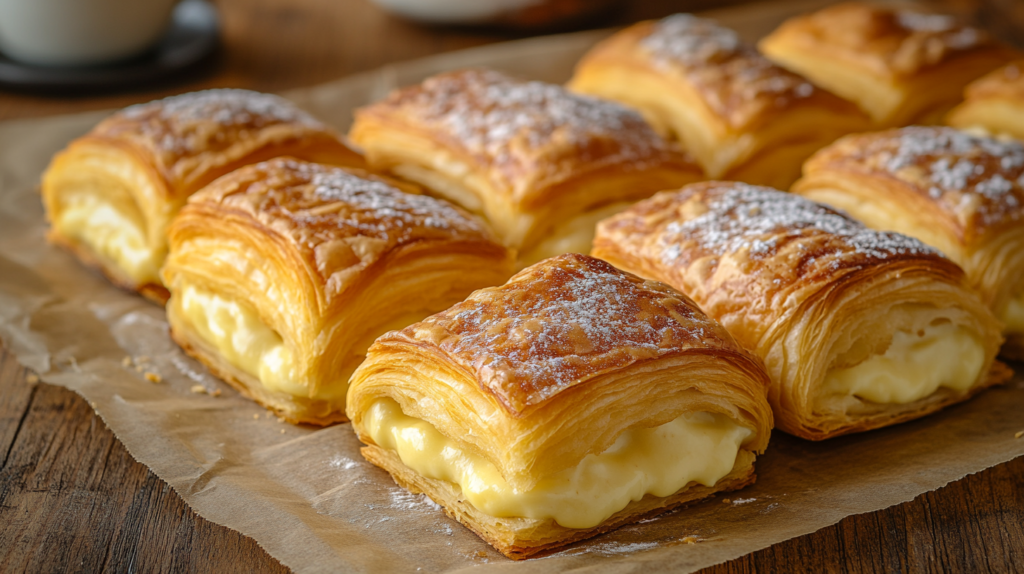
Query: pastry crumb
x=256, y=416
x=126, y=361
x=282, y=431
x=215, y=393
x=1019, y=434
x=481, y=553
x=198, y=389
x=153, y=377
x=726, y=501
x=280, y=419
x=690, y=539
x=31, y=378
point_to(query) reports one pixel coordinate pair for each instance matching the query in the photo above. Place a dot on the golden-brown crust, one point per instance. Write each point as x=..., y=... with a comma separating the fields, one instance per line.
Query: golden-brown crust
x=528, y=156
x=143, y=162
x=902, y=66
x=741, y=115
x=777, y=271
x=741, y=88
x=520, y=538
x=559, y=323
x=971, y=186
x=194, y=138
x=994, y=103
x=525, y=136
x=328, y=258
x=882, y=40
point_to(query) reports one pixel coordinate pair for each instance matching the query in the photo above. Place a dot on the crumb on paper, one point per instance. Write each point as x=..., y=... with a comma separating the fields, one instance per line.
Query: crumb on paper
x=726, y=501
x=690, y=539
x=198, y=389
x=1019, y=434
x=31, y=378
x=153, y=377
x=126, y=361
x=280, y=419
x=256, y=416
x=744, y=500
x=282, y=431
x=481, y=554
x=215, y=393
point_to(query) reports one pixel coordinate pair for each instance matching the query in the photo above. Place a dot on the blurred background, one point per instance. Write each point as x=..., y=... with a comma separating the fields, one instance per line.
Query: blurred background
x=47, y=66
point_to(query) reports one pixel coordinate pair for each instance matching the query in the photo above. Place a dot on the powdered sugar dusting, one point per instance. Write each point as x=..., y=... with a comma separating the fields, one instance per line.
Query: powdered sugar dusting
x=561, y=321
x=730, y=74
x=759, y=219
x=982, y=174
x=492, y=115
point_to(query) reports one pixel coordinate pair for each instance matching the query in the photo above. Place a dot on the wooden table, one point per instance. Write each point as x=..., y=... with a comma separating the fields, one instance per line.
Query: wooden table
x=71, y=498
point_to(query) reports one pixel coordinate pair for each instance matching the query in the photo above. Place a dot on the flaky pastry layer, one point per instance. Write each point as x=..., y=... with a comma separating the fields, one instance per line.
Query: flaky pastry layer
x=324, y=259
x=962, y=194
x=525, y=155
x=901, y=66
x=993, y=104
x=111, y=194
x=807, y=289
x=736, y=111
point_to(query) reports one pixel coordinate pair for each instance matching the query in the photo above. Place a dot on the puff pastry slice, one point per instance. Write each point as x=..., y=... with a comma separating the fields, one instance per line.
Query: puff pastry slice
x=859, y=329
x=111, y=193
x=902, y=66
x=284, y=272
x=961, y=194
x=541, y=164
x=994, y=104
x=742, y=116
x=572, y=400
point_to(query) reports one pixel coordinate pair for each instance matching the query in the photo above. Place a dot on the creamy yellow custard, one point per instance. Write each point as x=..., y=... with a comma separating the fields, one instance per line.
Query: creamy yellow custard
x=1013, y=315
x=112, y=235
x=913, y=367
x=698, y=447
x=573, y=236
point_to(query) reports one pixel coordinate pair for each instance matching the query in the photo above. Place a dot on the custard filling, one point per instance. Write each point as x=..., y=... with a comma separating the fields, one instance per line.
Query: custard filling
x=112, y=235
x=913, y=367
x=1013, y=315
x=694, y=448
x=573, y=236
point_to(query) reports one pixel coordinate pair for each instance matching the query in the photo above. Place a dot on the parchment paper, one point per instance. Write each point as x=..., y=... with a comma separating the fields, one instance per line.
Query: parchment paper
x=308, y=497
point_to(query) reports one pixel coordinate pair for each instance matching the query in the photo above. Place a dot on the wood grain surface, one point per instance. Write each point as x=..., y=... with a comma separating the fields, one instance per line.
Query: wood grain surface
x=73, y=500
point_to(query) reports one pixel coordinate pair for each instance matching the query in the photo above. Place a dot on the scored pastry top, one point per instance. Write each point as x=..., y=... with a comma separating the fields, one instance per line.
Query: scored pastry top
x=340, y=220
x=521, y=129
x=561, y=322
x=886, y=41
x=189, y=133
x=979, y=181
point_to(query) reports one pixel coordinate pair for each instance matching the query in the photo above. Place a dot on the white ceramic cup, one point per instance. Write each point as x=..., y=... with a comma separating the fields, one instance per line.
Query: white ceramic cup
x=80, y=32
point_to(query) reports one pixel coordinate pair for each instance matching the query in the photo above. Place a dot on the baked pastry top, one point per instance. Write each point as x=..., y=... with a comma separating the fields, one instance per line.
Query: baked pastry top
x=111, y=193
x=534, y=376
x=526, y=155
x=814, y=293
x=326, y=259
x=960, y=193
x=993, y=104
x=900, y=65
x=697, y=81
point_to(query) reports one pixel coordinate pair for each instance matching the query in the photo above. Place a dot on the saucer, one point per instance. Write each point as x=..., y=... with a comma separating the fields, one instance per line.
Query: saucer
x=191, y=38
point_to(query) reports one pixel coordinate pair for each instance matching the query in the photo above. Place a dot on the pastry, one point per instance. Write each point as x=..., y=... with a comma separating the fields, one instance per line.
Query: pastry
x=858, y=329
x=541, y=164
x=282, y=273
x=110, y=194
x=994, y=104
x=572, y=400
x=742, y=116
x=900, y=65
x=963, y=195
